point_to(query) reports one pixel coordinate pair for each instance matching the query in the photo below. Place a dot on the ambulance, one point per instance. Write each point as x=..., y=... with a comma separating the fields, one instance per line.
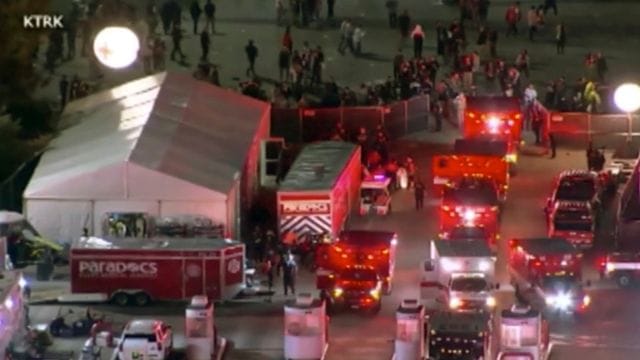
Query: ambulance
x=524, y=334
x=497, y=118
x=375, y=195
x=464, y=270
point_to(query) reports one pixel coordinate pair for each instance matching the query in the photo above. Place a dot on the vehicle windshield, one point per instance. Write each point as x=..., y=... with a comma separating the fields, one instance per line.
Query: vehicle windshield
x=476, y=193
x=359, y=275
x=576, y=190
x=468, y=284
x=468, y=232
x=148, y=337
x=561, y=225
x=370, y=196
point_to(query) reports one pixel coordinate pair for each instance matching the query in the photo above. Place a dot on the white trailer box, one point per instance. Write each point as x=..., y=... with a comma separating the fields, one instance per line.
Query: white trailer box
x=464, y=269
x=321, y=189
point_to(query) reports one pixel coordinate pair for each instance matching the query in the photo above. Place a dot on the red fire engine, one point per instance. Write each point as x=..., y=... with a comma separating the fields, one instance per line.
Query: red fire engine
x=552, y=267
x=448, y=169
x=497, y=118
x=472, y=202
x=375, y=249
x=572, y=220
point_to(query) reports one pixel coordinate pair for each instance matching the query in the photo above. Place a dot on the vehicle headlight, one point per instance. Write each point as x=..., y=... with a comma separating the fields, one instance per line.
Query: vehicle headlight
x=491, y=301
x=337, y=292
x=586, y=300
x=609, y=267
x=561, y=301
x=375, y=293
x=455, y=303
x=615, y=171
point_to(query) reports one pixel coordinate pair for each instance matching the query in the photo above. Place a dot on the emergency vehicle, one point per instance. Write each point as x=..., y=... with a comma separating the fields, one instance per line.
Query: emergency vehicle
x=320, y=190
x=576, y=185
x=375, y=195
x=464, y=270
x=354, y=287
x=471, y=202
x=622, y=163
x=449, y=169
x=524, y=334
x=456, y=335
x=572, y=220
x=470, y=233
x=495, y=118
x=137, y=271
x=624, y=268
x=552, y=267
x=376, y=249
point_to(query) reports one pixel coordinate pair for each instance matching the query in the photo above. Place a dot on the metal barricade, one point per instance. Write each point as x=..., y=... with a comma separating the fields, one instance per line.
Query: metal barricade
x=368, y=117
x=319, y=124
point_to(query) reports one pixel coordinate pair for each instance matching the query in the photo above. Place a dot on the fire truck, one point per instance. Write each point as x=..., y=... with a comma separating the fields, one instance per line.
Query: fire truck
x=494, y=118
x=354, y=287
x=375, y=195
x=577, y=186
x=470, y=233
x=524, y=334
x=624, y=268
x=471, y=202
x=375, y=249
x=459, y=335
x=572, y=220
x=449, y=169
x=552, y=268
x=464, y=270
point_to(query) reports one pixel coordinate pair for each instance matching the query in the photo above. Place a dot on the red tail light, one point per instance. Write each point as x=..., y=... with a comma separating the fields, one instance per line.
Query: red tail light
x=537, y=263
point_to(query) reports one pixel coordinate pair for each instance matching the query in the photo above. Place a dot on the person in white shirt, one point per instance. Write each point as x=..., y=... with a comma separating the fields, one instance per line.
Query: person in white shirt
x=358, y=34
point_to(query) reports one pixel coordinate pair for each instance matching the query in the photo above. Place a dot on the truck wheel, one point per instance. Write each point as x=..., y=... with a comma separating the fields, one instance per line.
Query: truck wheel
x=121, y=299
x=141, y=299
x=624, y=280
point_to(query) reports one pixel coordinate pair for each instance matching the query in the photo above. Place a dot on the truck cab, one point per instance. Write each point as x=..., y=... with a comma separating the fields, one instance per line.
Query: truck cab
x=375, y=195
x=455, y=335
x=576, y=186
x=524, y=334
x=464, y=271
x=354, y=287
x=470, y=202
x=448, y=170
x=552, y=267
x=574, y=221
x=496, y=117
x=376, y=249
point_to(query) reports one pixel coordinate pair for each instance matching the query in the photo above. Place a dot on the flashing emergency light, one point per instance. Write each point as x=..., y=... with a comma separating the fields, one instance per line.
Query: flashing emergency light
x=484, y=266
x=379, y=177
x=22, y=282
x=469, y=215
x=8, y=303
x=561, y=301
x=491, y=301
x=586, y=300
x=337, y=292
x=455, y=303
x=494, y=124
x=394, y=241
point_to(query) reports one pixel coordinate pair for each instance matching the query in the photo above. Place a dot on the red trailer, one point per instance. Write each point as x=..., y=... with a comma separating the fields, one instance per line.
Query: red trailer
x=137, y=271
x=321, y=189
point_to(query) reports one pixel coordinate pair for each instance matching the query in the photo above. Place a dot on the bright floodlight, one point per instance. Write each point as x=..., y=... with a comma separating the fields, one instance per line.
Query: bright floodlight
x=116, y=47
x=494, y=124
x=469, y=215
x=627, y=97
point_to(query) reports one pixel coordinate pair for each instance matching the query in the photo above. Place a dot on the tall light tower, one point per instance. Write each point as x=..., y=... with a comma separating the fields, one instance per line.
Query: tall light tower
x=627, y=99
x=116, y=47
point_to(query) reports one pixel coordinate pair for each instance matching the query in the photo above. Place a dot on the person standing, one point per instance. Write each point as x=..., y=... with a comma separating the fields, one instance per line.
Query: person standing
x=356, y=40
x=532, y=22
x=552, y=145
x=330, y=5
x=536, y=123
x=418, y=40
x=195, y=11
x=176, y=38
x=346, y=34
x=561, y=38
x=64, y=91
x=284, y=63
x=493, y=43
x=165, y=17
x=287, y=40
x=404, y=24
x=418, y=192
x=316, y=66
x=441, y=39
x=205, y=43
x=210, y=14
x=392, y=9
x=601, y=66
x=252, y=53
x=289, y=269
x=512, y=17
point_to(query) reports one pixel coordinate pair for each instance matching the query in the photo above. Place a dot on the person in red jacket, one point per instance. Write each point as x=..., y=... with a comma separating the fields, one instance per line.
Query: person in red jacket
x=287, y=40
x=512, y=17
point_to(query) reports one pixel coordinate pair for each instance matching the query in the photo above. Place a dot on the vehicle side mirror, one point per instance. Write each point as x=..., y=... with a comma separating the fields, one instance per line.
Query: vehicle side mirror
x=104, y=339
x=429, y=266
